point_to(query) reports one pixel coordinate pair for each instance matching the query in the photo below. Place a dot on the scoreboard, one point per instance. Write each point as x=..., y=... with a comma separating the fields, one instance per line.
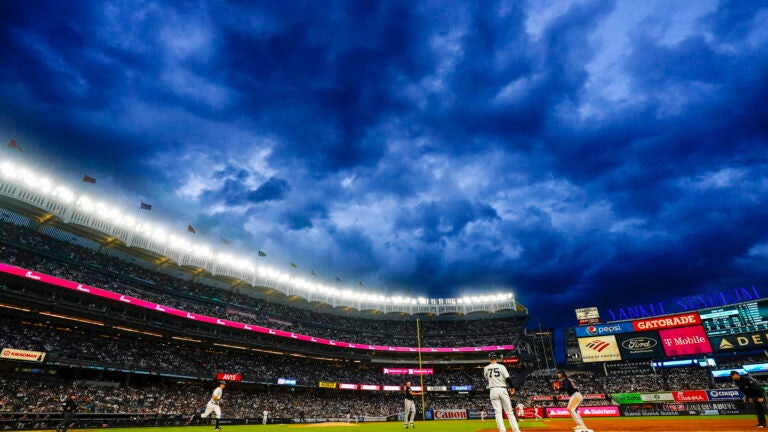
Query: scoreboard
x=751, y=316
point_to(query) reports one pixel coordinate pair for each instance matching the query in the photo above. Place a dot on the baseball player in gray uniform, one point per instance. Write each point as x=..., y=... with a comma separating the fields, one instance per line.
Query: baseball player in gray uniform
x=498, y=380
x=410, y=405
x=566, y=385
x=213, y=405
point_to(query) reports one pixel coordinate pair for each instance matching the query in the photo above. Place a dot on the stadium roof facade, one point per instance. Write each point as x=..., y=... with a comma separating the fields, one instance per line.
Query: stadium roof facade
x=47, y=203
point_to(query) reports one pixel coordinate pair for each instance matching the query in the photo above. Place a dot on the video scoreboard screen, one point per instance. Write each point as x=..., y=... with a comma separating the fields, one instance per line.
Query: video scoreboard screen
x=745, y=317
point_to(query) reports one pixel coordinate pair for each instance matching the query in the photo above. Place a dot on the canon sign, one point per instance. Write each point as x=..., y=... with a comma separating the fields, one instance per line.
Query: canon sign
x=450, y=414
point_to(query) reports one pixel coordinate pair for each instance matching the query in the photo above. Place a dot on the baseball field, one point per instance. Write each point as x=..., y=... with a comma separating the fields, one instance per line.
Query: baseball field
x=624, y=424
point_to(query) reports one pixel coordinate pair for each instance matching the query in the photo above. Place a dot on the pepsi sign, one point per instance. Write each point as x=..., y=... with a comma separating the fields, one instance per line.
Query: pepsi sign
x=604, y=329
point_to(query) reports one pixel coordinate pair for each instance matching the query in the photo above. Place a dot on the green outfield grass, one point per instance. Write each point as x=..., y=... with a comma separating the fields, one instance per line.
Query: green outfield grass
x=431, y=426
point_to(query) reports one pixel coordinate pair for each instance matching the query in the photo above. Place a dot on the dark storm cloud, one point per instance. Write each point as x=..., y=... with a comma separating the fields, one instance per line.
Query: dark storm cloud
x=441, y=219
x=576, y=151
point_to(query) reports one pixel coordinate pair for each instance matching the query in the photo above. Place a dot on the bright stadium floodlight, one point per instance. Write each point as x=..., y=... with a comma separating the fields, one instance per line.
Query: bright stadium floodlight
x=201, y=251
x=223, y=258
x=126, y=221
x=45, y=185
x=63, y=193
x=86, y=203
x=158, y=234
x=27, y=177
x=241, y=264
x=7, y=170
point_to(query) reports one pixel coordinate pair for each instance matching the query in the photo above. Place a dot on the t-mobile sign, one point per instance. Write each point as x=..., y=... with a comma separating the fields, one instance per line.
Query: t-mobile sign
x=684, y=341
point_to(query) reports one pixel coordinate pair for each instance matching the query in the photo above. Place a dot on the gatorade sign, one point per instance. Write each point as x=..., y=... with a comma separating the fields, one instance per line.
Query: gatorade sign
x=683, y=320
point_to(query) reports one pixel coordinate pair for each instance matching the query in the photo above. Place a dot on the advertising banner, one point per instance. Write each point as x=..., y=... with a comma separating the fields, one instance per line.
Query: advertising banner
x=451, y=414
x=588, y=315
x=530, y=412
x=643, y=345
x=475, y=414
x=326, y=384
x=604, y=329
x=725, y=394
x=690, y=396
x=437, y=388
x=541, y=398
x=627, y=398
x=23, y=355
x=597, y=411
x=758, y=367
x=685, y=341
x=657, y=397
x=229, y=377
x=599, y=349
x=682, y=320
x=408, y=371
x=738, y=342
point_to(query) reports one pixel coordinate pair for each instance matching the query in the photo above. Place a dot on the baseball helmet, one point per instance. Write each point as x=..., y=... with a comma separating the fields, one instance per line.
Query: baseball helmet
x=222, y=382
x=492, y=355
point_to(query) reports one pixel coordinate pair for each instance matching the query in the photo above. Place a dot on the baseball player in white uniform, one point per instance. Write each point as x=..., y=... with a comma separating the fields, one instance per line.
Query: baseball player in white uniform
x=213, y=405
x=498, y=380
x=520, y=411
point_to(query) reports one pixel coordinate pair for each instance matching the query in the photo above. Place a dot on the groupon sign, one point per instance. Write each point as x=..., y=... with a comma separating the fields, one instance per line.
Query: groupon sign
x=641, y=345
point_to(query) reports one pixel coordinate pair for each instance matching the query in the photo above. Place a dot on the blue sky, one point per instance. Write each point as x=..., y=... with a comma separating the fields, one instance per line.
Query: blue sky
x=579, y=153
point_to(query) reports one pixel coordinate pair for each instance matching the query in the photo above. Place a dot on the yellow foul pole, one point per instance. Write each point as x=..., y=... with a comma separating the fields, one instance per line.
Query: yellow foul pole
x=421, y=374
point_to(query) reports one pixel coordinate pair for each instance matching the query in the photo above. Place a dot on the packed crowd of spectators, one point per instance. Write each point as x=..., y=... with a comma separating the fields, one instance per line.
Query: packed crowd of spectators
x=74, y=346
x=81, y=345
x=91, y=347
x=40, y=394
x=26, y=248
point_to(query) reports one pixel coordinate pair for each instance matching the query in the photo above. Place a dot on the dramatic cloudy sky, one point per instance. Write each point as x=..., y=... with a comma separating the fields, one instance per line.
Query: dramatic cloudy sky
x=578, y=153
